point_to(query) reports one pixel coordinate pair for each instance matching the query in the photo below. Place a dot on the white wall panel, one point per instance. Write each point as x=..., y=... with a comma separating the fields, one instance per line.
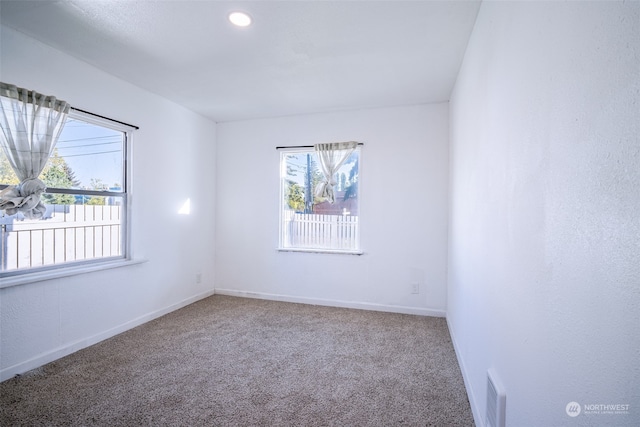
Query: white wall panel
x=173, y=158
x=544, y=261
x=403, y=205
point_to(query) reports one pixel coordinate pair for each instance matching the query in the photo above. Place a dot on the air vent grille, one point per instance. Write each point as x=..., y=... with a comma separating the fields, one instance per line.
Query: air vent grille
x=496, y=399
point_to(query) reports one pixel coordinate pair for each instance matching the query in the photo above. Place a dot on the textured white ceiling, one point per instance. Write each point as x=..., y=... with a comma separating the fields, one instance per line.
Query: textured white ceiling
x=297, y=57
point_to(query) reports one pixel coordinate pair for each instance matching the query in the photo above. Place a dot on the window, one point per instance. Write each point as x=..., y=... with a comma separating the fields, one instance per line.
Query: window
x=86, y=201
x=310, y=223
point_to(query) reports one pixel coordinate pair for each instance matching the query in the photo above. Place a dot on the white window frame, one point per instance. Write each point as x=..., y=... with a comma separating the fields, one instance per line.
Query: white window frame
x=34, y=274
x=283, y=151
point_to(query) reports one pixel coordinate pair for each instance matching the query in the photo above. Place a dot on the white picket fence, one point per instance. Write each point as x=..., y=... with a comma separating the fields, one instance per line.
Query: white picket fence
x=310, y=231
x=70, y=233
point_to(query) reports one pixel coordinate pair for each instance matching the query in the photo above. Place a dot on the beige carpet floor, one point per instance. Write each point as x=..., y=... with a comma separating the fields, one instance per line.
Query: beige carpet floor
x=227, y=361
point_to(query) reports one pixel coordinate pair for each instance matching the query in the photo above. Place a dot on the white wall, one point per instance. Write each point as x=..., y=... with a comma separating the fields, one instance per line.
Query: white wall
x=173, y=158
x=403, y=185
x=544, y=261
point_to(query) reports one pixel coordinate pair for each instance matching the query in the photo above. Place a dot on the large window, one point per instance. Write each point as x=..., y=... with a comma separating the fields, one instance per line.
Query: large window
x=311, y=223
x=86, y=201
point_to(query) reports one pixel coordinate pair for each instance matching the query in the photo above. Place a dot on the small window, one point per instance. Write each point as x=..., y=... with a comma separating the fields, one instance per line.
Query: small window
x=310, y=223
x=86, y=201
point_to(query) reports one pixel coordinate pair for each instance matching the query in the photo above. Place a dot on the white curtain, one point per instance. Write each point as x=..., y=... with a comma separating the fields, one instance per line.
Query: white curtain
x=331, y=157
x=31, y=124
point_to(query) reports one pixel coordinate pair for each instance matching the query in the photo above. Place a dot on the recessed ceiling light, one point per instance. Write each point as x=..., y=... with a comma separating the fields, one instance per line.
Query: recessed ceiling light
x=240, y=19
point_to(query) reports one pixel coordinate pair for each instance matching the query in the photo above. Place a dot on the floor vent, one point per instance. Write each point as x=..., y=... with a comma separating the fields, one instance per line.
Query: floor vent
x=496, y=399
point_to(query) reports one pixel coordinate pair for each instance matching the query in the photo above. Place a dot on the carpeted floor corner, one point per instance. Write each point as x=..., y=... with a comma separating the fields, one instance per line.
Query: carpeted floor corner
x=227, y=361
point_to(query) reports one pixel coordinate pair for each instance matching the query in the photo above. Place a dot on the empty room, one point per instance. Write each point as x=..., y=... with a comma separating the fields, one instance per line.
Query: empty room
x=331, y=213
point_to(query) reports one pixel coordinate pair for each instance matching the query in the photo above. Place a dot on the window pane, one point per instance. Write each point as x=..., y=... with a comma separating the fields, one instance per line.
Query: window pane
x=309, y=222
x=86, y=156
x=90, y=228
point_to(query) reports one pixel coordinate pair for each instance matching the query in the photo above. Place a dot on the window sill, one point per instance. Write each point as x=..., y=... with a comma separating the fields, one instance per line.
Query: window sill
x=321, y=251
x=23, y=279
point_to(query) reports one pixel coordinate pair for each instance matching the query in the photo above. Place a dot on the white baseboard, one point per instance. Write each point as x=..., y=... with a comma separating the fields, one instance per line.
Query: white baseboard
x=333, y=303
x=473, y=402
x=69, y=348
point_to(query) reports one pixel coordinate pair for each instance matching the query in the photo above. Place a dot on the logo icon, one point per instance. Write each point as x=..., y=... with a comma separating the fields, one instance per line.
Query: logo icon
x=573, y=409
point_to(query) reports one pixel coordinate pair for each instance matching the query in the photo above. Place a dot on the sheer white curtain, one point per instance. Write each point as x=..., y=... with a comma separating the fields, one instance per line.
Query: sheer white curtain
x=31, y=124
x=331, y=157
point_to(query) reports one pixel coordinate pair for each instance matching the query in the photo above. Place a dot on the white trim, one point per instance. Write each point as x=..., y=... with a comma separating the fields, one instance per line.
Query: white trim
x=128, y=187
x=321, y=251
x=334, y=303
x=101, y=121
x=297, y=149
x=66, y=270
x=473, y=402
x=72, y=347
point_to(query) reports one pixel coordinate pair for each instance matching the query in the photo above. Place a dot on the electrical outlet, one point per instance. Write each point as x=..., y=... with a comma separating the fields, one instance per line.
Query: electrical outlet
x=415, y=288
x=198, y=277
